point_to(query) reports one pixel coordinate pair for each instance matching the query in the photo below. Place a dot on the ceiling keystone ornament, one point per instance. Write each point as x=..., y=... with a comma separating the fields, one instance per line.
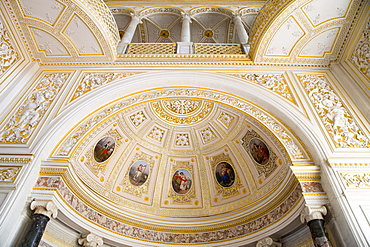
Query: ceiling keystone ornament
x=337, y=120
x=8, y=54
x=360, y=56
x=25, y=119
x=182, y=111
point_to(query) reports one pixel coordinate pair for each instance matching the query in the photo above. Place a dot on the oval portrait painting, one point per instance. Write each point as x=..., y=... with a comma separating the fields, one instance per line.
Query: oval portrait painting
x=181, y=181
x=259, y=151
x=104, y=149
x=139, y=173
x=225, y=174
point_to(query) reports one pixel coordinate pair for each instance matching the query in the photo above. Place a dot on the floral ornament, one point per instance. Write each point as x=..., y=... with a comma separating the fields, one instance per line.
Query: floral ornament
x=207, y=135
x=138, y=118
x=156, y=134
x=226, y=119
x=182, y=140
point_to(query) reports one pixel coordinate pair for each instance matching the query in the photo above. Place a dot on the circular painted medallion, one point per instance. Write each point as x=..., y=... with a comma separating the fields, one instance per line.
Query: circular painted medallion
x=225, y=174
x=259, y=151
x=139, y=173
x=104, y=149
x=181, y=181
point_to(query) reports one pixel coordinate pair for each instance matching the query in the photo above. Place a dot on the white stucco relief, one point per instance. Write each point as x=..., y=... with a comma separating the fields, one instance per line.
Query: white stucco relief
x=28, y=115
x=8, y=55
x=361, y=54
x=337, y=120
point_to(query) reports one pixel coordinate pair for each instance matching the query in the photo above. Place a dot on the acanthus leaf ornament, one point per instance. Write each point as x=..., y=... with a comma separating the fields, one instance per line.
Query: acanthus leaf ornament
x=8, y=54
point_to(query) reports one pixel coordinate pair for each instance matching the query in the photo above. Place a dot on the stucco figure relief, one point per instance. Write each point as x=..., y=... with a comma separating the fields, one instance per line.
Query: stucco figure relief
x=8, y=54
x=28, y=115
x=338, y=121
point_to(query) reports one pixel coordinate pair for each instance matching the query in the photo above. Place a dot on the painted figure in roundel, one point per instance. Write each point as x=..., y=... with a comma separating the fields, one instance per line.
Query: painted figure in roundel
x=104, y=149
x=181, y=181
x=139, y=173
x=225, y=174
x=259, y=151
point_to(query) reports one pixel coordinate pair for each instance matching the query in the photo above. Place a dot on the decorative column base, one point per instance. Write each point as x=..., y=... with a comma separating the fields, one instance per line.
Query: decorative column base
x=35, y=231
x=318, y=233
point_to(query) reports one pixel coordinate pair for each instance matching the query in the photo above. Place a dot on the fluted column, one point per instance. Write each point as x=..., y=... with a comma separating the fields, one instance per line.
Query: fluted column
x=268, y=242
x=313, y=215
x=129, y=33
x=90, y=240
x=185, y=46
x=241, y=32
x=43, y=211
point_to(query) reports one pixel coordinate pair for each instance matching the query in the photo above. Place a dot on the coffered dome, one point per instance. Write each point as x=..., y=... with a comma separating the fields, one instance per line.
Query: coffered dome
x=177, y=159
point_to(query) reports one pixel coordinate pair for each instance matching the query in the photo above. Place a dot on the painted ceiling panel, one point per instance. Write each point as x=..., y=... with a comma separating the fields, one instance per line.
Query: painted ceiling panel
x=320, y=11
x=320, y=44
x=47, y=43
x=46, y=10
x=285, y=38
x=82, y=37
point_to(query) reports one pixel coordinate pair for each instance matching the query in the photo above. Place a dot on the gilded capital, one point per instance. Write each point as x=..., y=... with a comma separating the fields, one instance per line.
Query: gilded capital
x=46, y=208
x=313, y=213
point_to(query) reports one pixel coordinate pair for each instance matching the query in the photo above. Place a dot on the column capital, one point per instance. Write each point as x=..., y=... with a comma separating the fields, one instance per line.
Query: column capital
x=186, y=16
x=267, y=242
x=90, y=240
x=313, y=212
x=136, y=17
x=237, y=16
x=46, y=208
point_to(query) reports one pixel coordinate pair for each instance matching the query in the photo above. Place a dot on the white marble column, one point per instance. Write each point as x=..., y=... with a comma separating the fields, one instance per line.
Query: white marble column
x=90, y=240
x=241, y=32
x=129, y=33
x=185, y=46
x=268, y=242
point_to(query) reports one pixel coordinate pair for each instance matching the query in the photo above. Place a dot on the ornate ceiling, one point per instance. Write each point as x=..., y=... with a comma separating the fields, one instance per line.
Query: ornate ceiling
x=282, y=32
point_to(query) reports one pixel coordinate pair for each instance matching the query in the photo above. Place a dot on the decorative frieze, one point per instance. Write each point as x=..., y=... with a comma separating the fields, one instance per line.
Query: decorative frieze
x=162, y=236
x=360, y=56
x=356, y=180
x=91, y=81
x=25, y=119
x=275, y=83
x=9, y=174
x=337, y=120
x=8, y=54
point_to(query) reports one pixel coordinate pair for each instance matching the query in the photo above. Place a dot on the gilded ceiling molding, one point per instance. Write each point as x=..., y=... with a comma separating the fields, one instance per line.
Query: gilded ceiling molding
x=105, y=18
x=9, y=173
x=355, y=180
x=203, y=10
x=337, y=120
x=267, y=14
x=155, y=10
x=275, y=83
x=190, y=235
x=360, y=56
x=8, y=53
x=289, y=141
x=93, y=80
x=27, y=116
